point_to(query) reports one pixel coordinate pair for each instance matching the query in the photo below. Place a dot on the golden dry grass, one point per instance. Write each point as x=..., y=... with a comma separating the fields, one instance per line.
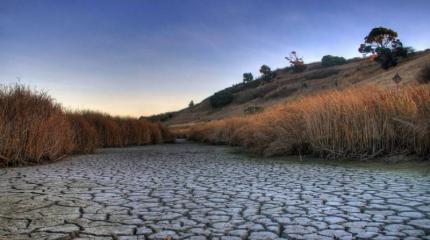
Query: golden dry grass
x=34, y=128
x=361, y=122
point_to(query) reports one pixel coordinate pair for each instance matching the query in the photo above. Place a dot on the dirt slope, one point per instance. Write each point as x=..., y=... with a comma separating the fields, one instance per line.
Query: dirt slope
x=286, y=86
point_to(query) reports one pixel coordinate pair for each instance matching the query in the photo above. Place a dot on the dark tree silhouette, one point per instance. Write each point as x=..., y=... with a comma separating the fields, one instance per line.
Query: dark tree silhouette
x=248, y=77
x=265, y=70
x=329, y=60
x=384, y=44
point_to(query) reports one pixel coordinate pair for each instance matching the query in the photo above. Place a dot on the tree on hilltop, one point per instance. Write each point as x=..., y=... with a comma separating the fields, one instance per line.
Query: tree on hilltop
x=329, y=60
x=247, y=77
x=384, y=44
x=296, y=62
x=265, y=70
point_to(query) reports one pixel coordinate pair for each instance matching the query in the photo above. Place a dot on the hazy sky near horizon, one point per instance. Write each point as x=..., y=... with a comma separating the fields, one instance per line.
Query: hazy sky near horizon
x=140, y=57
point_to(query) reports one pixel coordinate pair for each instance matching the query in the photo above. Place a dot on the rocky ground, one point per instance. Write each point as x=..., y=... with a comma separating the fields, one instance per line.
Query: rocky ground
x=190, y=191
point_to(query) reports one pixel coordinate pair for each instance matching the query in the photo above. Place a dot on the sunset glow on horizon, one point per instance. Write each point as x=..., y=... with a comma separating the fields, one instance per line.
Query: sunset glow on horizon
x=135, y=58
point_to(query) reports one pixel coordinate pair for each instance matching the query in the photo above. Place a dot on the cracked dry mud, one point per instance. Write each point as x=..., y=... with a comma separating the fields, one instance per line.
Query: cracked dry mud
x=190, y=191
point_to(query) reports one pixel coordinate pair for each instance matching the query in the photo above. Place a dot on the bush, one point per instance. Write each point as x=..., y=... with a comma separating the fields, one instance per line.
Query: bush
x=265, y=70
x=221, y=98
x=329, y=61
x=297, y=64
x=424, y=75
x=247, y=77
x=269, y=77
x=386, y=58
x=298, y=68
x=252, y=84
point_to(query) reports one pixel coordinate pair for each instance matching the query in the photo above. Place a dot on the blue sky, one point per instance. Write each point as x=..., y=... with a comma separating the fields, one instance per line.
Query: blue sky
x=143, y=57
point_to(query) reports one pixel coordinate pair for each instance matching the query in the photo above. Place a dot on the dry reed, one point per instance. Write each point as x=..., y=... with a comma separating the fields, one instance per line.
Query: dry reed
x=34, y=128
x=360, y=123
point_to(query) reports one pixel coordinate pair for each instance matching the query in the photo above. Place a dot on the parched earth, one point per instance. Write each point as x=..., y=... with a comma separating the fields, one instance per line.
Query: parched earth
x=190, y=191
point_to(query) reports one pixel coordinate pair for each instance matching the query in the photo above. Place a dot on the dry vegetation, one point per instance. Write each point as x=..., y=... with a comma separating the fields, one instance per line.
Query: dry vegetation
x=360, y=122
x=424, y=74
x=287, y=86
x=33, y=128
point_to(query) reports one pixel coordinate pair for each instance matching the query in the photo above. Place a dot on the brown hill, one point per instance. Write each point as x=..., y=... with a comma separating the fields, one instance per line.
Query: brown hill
x=259, y=94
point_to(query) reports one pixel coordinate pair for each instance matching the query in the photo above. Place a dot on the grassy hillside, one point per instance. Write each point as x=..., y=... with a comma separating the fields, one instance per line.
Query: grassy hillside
x=249, y=98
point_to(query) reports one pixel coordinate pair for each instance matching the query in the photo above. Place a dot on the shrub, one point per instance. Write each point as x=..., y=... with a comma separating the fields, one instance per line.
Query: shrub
x=269, y=77
x=247, y=77
x=424, y=75
x=265, y=70
x=329, y=61
x=221, y=98
x=297, y=63
x=266, y=73
x=252, y=84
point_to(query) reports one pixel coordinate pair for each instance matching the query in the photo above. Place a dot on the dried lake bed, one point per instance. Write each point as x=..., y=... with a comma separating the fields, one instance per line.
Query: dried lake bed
x=194, y=191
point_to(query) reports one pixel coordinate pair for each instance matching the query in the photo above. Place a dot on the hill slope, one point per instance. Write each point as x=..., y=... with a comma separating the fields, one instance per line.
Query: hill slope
x=259, y=94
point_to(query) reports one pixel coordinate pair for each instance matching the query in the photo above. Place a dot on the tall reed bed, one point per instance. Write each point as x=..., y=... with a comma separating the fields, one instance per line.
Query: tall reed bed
x=34, y=128
x=362, y=122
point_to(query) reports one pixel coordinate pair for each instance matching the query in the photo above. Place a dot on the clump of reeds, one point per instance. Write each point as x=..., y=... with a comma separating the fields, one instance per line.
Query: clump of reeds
x=34, y=128
x=84, y=134
x=363, y=122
